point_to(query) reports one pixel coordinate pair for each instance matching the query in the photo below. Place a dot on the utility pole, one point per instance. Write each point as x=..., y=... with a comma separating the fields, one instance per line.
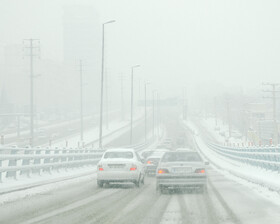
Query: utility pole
x=146, y=83
x=18, y=127
x=215, y=110
x=184, y=108
x=131, y=102
x=32, y=45
x=154, y=93
x=158, y=114
x=228, y=117
x=139, y=88
x=273, y=97
x=139, y=93
x=81, y=102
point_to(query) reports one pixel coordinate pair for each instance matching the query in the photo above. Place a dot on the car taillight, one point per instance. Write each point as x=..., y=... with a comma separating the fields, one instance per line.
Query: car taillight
x=133, y=167
x=100, y=168
x=200, y=171
x=149, y=162
x=160, y=171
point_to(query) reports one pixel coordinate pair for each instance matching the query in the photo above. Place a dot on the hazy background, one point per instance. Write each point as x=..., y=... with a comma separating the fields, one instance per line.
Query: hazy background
x=206, y=46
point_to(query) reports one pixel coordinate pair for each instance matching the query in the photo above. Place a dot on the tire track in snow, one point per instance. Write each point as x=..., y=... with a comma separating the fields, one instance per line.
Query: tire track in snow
x=106, y=211
x=172, y=214
x=229, y=211
x=156, y=213
x=48, y=217
x=135, y=210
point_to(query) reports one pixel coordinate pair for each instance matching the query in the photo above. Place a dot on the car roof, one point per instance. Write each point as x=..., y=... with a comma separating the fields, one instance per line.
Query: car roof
x=120, y=150
x=168, y=139
x=185, y=149
x=155, y=156
x=162, y=150
x=147, y=150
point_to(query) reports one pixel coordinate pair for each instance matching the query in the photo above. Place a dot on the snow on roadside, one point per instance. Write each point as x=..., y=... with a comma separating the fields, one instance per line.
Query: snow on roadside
x=220, y=131
x=92, y=135
x=45, y=183
x=265, y=183
x=25, y=187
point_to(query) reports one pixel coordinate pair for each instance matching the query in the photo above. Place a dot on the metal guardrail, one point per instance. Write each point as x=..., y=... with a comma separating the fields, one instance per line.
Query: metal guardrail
x=264, y=157
x=19, y=162
x=141, y=146
x=16, y=162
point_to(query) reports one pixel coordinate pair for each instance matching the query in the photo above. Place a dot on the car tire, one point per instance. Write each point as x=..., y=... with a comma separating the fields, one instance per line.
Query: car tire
x=143, y=180
x=203, y=189
x=138, y=182
x=162, y=190
x=100, y=183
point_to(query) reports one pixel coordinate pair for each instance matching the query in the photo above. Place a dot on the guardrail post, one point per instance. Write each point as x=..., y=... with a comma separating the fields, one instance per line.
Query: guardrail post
x=38, y=161
x=64, y=158
x=2, y=140
x=48, y=160
x=12, y=162
x=56, y=160
x=26, y=162
x=1, y=172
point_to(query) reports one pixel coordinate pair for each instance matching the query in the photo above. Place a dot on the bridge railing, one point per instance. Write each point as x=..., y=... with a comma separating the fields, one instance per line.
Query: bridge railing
x=17, y=162
x=26, y=162
x=264, y=157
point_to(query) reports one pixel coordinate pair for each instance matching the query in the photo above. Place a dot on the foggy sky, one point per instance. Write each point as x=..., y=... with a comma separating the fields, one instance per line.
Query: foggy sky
x=222, y=43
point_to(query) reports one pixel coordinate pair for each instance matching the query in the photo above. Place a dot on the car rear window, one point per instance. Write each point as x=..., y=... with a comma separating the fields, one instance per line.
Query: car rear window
x=153, y=159
x=181, y=157
x=116, y=155
x=146, y=154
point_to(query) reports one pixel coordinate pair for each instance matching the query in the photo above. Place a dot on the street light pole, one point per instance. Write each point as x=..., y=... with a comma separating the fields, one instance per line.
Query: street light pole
x=102, y=84
x=31, y=54
x=158, y=114
x=146, y=83
x=154, y=93
x=131, y=104
x=81, y=102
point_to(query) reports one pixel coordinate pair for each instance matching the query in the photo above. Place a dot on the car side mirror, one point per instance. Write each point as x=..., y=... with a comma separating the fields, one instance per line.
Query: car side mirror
x=207, y=163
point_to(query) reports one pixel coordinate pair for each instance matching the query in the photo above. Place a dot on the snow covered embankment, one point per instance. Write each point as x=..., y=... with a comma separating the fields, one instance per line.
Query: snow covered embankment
x=241, y=172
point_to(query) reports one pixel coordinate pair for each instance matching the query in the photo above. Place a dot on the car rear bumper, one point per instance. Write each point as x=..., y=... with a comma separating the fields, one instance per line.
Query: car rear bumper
x=179, y=182
x=151, y=169
x=117, y=176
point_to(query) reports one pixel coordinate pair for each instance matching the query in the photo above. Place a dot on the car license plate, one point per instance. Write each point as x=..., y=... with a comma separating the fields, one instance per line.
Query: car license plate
x=116, y=166
x=182, y=170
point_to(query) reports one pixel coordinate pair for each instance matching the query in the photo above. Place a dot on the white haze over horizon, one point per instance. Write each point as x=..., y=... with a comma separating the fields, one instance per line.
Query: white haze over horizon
x=206, y=46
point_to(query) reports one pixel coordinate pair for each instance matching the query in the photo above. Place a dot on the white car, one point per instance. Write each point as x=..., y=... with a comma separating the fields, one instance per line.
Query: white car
x=181, y=169
x=120, y=165
x=184, y=150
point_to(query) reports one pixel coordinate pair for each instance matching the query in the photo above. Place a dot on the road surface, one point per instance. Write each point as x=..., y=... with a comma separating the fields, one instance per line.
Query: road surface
x=83, y=202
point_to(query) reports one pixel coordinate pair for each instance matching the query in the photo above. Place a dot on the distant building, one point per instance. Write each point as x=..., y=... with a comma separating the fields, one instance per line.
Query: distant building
x=261, y=122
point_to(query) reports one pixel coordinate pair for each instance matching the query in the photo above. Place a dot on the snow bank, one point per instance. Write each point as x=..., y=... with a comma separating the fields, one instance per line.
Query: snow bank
x=258, y=179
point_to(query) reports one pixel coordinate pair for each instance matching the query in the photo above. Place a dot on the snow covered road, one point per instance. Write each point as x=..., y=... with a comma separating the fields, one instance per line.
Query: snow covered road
x=84, y=202
x=227, y=202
